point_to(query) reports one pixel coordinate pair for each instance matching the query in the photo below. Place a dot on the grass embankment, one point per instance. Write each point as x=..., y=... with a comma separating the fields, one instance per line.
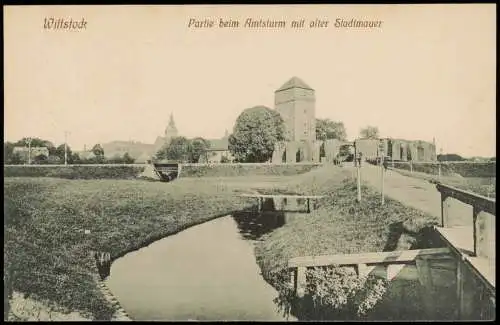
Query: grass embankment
x=485, y=186
x=339, y=226
x=47, y=252
x=131, y=172
x=231, y=170
x=451, y=168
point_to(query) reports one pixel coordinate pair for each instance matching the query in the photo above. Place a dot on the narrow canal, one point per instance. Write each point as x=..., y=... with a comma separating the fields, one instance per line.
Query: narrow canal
x=207, y=272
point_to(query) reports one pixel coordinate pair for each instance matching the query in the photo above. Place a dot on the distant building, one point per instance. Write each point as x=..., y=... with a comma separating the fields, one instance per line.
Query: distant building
x=85, y=154
x=140, y=151
x=170, y=132
x=218, y=151
x=23, y=152
x=295, y=102
x=397, y=149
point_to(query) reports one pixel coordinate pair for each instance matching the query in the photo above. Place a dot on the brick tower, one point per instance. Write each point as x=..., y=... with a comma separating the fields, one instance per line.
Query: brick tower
x=295, y=101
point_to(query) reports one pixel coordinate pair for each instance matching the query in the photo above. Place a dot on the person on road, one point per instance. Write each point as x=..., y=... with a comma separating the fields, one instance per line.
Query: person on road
x=359, y=158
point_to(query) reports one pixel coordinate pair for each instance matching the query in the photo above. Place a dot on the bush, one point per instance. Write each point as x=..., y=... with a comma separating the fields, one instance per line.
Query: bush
x=338, y=293
x=464, y=169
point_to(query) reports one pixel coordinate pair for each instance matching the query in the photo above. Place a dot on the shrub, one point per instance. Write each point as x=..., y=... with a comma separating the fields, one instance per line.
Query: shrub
x=464, y=169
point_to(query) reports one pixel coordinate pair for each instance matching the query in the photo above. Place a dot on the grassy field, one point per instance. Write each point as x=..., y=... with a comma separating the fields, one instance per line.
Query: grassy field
x=485, y=186
x=47, y=250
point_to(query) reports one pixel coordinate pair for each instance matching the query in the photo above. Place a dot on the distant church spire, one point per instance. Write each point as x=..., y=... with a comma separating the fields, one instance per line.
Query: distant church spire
x=171, y=130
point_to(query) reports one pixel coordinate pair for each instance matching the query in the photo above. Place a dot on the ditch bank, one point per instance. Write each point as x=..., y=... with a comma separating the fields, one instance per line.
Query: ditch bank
x=133, y=170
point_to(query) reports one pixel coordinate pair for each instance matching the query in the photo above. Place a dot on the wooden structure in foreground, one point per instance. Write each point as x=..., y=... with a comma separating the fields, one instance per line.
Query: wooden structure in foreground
x=474, y=247
x=366, y=263
x=261, y=198
x=468, y=260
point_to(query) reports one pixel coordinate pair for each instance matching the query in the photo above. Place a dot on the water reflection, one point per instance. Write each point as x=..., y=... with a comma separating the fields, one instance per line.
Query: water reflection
x=253, y=225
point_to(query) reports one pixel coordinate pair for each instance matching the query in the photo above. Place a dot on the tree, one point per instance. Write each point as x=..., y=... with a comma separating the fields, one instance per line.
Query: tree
x=8, y=153
x=369, y=132
x=40, y=160
x=450, y=157
x=327, y=129
x=197, y=147
x=75, y=158
x=177, y=150
x=255, y=133
x=59, y=152
x=98, y=151
x=127, y=159
x=37, y=142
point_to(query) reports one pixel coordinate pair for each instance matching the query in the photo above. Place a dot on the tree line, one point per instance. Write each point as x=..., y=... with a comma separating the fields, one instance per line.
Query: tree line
x=56, y=155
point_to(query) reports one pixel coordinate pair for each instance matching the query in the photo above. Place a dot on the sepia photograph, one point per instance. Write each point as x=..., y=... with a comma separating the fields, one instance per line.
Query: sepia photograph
x=250, y=162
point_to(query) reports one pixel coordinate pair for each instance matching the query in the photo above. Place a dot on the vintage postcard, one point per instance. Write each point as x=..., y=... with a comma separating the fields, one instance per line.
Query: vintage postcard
x=249, y=162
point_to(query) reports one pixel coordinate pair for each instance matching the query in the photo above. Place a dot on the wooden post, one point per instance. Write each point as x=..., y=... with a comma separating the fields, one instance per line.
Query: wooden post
x=293, y=274
x=308, y=205
x=363, y=270
x=444, y=210
x=260, y=204
x=301, y=281
x=382, y=181
x=411, y=167
x=359, y=183
x=475, y=214
x=484, y=244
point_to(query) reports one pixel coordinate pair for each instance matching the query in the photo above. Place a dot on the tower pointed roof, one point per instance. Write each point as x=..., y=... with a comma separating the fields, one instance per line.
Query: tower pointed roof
x=171, y=130
x=171, y=122
x=294, y=82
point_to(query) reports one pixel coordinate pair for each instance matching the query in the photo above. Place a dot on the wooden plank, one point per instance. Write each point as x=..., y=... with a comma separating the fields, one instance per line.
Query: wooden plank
x=460, y=237
x=282, y=196
x=481, y=267
x=366, y=258
x=482, y=202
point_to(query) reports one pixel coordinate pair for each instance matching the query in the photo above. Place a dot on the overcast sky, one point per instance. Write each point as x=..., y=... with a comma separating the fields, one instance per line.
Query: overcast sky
x=429, y=71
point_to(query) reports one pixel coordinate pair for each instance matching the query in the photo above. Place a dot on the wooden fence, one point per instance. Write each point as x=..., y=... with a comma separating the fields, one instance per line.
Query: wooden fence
x=480, y=206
